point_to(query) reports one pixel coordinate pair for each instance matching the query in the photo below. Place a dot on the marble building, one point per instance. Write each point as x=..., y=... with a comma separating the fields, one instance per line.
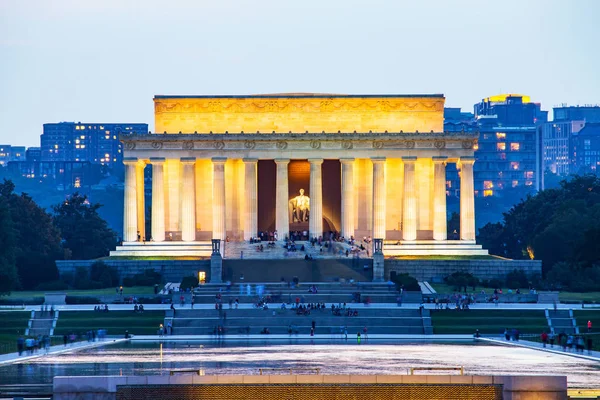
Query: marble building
x=229, y=167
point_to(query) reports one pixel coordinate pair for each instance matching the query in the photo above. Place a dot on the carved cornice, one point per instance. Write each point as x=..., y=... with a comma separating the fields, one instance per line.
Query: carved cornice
x=308, y=141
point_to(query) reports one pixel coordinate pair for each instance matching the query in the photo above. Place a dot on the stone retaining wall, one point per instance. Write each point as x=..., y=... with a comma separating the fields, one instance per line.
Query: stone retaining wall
x=436, y=270
x=415, y=386
x=171, y=270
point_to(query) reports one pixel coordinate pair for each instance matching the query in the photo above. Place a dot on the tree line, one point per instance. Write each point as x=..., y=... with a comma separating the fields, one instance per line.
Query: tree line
x=561, y=227
x=31, y=239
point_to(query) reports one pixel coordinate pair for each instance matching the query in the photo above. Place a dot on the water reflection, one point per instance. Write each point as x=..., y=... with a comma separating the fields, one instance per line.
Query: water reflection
x=154, y=359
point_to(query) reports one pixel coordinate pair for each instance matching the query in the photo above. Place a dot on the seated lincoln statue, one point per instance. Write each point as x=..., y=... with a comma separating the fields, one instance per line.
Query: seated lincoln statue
x=299, y=208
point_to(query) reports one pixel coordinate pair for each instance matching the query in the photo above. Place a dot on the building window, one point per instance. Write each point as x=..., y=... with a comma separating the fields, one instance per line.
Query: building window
x=528, y=183
x=515, y=183
x=488, y=193
x=488, y=184
x=515, y=146
x=500, y=146
x=500, y=135
x=529, y=174
x=449, y=184
x=514, y=165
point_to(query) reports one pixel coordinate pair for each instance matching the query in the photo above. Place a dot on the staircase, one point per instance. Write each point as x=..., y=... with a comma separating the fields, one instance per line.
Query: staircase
x=247, y=251
x=42, y=323
x=278, y=321
x=562, y=321
x=327, y=293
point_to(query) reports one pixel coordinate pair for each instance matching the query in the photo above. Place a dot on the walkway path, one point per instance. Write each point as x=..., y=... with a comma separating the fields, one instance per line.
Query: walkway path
x=53, y=350
x=430, y=306
x=592, y=356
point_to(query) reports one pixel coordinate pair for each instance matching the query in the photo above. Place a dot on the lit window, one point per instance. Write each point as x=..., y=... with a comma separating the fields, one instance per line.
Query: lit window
x=449, y=184
x=77, y=128
x=107, y=155
x=114, y=159
x=500, y=135
x=500, y=146
x=515, y=183
x=82, y=127
x=114, y=136
x=488, y=184
x=515, y=146
x=82, y=136
x=101, y=127
x=77, y=141
x=529, y=174
x=77, y=182
x=83, y=146
x=76, y=146
x=56, y=146
x=488, y=193
x=514, y=165
x=528, y=183
x=476, y=146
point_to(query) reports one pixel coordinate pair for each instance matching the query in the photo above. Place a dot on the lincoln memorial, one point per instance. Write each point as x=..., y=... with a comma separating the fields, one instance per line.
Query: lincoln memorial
x=230, y=167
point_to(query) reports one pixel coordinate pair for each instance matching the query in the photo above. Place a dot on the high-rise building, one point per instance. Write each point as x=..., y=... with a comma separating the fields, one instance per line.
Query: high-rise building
x=33, y=154
x=11, y=153
x=586, y=149
x=506, y=154
x=556, y=145
x=586, y=113
x=97, y=143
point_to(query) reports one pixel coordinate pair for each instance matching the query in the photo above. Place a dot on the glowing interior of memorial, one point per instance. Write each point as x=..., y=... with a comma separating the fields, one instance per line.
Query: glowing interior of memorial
x=231, y=166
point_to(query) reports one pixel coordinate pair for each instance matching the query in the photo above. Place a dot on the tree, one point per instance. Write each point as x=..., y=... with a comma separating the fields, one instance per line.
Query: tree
x=83, y=231
x=37, y=242
x=8, y=266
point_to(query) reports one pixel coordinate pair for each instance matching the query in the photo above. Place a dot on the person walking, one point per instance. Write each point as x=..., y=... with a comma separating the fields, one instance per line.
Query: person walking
x=589, y=326
x=544, y=338
x=551, y=339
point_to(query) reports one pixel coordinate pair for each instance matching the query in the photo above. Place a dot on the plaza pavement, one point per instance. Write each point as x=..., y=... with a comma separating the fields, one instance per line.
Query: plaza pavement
x=591, y=356
x=10, y=358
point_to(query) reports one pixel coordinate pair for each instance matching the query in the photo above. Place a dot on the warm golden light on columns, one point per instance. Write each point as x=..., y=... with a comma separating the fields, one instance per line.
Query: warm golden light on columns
x=282, y=218
x=439, y=198
x=130, y=215
x=251, y=198
x=378, y=197
x=141, y=208
x=219, y=198
x=347, y=197
x=467, y=199
x=315, y=219
x=158, y=199
x=188, y=200
x=409, y=215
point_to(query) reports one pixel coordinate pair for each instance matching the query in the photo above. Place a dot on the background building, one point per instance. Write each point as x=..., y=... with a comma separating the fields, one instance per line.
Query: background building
x=11, y=153
x=506, y=155
x=586, y=149
x=97, y=143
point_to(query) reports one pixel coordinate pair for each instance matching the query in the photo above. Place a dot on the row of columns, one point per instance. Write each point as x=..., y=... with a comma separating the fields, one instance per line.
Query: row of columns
x=188, y=203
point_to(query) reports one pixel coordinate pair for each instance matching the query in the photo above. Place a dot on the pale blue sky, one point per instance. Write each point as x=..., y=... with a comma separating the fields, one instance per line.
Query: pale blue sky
x=102, y=61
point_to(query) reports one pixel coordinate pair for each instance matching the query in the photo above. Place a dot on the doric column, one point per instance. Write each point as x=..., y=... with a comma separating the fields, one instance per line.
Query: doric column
x=141, y=207
x=251, y=202
x=439, y=198
x=219, y=198
x=130, y=229
x=158, y=199
x=315, y=218
x=347, y=197
x=467, y=199
x=188, y=200
x=409, y=214
x=282, y=217
x=378, y=197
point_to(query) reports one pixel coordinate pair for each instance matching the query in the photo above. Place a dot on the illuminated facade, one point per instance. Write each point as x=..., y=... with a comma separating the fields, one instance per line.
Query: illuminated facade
x=231, y=166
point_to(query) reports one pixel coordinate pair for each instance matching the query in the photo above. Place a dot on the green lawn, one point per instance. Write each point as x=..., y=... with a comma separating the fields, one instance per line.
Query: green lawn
x=115, y=322
x=442, y=288
x=137, y=290
x=12, y=324
x=579, y=297
x=487, y=321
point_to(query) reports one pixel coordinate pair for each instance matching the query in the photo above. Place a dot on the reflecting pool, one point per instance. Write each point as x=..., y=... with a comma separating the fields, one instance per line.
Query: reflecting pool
x=152, y=358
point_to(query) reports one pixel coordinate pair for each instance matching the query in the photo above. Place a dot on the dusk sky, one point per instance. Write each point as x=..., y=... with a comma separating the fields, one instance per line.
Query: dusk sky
x=103, y=61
